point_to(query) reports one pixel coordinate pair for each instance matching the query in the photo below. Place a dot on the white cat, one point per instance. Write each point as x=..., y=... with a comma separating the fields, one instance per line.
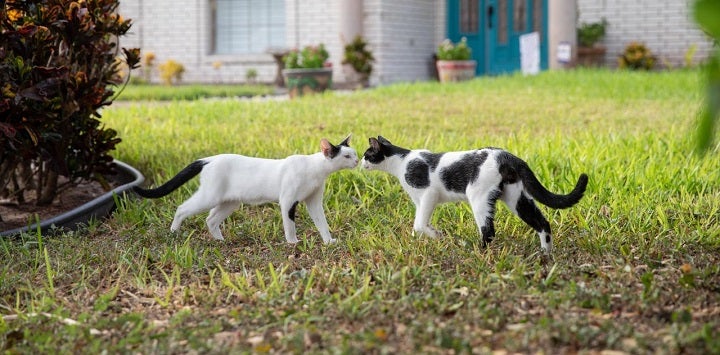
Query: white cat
x=480, y=177
x=228, y=180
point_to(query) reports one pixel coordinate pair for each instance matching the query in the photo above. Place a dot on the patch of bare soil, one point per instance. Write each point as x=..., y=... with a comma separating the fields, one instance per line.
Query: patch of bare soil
x=14, y=216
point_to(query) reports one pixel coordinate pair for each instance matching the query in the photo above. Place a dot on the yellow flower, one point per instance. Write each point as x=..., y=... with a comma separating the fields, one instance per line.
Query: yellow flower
x=14, y=14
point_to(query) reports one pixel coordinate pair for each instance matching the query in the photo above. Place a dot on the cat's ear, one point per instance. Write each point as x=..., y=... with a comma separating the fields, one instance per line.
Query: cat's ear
x=328, y=149
x=383, y=140
x=346, y=141
x=374, y=144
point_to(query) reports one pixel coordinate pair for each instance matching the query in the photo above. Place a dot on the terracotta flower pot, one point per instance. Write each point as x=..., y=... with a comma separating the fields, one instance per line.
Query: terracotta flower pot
x=591, y=56
x=300, y=82
x=455, y=70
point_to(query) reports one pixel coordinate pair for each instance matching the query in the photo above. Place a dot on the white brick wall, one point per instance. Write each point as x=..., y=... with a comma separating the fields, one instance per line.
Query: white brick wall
x=404, y=34
x=665, y=26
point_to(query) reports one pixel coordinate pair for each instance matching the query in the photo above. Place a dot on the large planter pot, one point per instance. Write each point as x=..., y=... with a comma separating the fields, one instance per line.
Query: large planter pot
x=591, y=56
x=455, y=70
x=126, y=178
x=300, y=82
x=355, y=79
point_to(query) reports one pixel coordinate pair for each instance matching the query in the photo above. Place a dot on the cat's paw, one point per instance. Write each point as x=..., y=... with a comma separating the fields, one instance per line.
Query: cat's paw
x=435, y=233
x=292, y=240
x=429, y=232
x=330, y=241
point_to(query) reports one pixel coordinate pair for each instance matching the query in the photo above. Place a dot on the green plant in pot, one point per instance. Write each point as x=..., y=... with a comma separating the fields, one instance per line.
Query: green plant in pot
x=307, y=71
x=589, y=35
x=357, y=61
x=59, y=63
x=454, y=61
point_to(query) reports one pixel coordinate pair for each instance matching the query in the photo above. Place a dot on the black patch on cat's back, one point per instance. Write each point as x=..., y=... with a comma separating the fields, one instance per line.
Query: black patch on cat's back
x=508, y=166
x=417, y=174
x=458, y=175
x=433, y=159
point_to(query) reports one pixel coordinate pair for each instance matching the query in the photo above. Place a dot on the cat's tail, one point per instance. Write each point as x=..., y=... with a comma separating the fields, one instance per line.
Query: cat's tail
x=547, y=198
x=178, y=180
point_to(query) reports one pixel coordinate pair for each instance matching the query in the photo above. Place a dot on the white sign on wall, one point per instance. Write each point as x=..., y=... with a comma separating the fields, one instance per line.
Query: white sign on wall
x=530, y=53
x=564, y=52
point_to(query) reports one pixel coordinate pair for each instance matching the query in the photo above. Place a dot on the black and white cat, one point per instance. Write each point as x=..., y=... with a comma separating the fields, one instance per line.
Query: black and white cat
x=228, y=180
x=480, y=177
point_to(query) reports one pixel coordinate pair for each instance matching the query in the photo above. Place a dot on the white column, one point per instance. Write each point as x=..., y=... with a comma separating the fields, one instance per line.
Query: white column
x=351, y=19
x=562, y=27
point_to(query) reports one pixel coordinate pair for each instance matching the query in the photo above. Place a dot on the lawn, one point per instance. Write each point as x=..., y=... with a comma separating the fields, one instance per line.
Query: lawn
x=636, y=264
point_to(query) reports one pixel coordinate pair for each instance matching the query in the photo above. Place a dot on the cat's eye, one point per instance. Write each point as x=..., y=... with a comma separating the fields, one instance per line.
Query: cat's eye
x=347, y=156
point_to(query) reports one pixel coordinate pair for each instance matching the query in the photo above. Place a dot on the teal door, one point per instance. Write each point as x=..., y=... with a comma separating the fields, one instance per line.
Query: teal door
x=493, y=29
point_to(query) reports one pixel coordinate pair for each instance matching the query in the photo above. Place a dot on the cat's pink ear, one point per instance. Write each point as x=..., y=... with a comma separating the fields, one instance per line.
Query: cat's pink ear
x=326, y=148
x=374, y=144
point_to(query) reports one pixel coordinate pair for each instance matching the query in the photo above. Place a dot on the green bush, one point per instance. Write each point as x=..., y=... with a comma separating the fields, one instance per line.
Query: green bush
x=358, y=56
x=57, y=66
x=636, y=56
x=310, y=57
x=590, y=33
x=451, y=51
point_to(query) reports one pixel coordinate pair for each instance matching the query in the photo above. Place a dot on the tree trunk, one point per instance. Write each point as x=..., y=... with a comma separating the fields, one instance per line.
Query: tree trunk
x=47, y=186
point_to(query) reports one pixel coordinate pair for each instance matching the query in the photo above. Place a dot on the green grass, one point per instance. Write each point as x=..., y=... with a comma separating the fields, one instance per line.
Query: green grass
x=635, y=266
x=144, y=92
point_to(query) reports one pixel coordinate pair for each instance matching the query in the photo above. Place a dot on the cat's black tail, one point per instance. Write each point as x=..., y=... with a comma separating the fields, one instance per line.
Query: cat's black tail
x=182, y=177
x=512, y=168
x=547, y=198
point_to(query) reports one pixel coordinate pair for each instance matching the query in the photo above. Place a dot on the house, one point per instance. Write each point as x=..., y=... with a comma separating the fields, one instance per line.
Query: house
x=219, y=41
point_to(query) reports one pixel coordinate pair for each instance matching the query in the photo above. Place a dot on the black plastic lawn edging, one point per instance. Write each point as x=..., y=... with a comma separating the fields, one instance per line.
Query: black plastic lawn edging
x=97, y=208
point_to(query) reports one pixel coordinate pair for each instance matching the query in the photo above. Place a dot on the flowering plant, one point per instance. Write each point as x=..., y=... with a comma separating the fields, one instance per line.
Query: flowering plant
x=310, y=57
x=451, y=51
x=636, y=56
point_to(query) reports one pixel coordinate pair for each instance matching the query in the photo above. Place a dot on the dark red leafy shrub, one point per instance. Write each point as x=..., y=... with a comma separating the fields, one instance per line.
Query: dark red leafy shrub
x=58, y=66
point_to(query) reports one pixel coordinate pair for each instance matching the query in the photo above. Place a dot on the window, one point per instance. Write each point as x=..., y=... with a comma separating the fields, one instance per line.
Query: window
x=247, y=26
x=469, y=16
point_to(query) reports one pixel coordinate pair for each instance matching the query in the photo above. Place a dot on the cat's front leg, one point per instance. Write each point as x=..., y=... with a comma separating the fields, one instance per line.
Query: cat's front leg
x=317, y=213
x=423, y=212
x=288, y=215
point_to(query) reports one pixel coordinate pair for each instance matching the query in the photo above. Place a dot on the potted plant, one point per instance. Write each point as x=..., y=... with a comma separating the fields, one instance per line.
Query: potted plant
x=357, y=62
x=454, y=61
x=307, y=71
x=590, y=52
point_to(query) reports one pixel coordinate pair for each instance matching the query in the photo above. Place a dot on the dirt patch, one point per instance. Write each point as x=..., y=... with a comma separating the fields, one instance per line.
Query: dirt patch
x=14, y=216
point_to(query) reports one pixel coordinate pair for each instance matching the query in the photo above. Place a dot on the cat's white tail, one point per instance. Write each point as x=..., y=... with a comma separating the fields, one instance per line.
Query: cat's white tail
x=178, y=180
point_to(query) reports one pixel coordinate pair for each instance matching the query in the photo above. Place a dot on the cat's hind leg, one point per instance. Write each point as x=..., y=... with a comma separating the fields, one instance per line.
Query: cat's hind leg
x=194, y=205
x=217, y=216
x=287, y=209
x=483, y=205
x=525, y=208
